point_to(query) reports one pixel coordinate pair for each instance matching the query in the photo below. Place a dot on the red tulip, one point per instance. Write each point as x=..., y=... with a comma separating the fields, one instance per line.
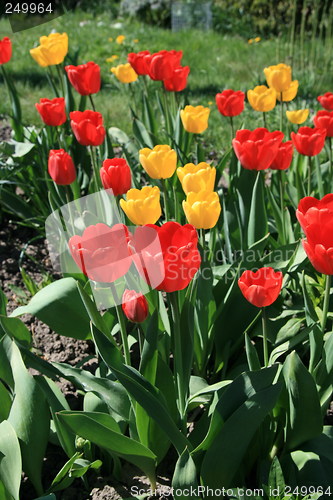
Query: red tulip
x=161, y=64
x=178, y=80
x=85, y=78
x=116, y=175
x=52, y=111
x=309, y=141
x=139, y=61
x=324, y=120
x=316, y=219
x=261, y=288
x=326, y=101
x=102, y=252
x=257, y=149
x=230, y=102
x=61, y=167
x=284, y=156
x=5, y=50
x=167, y=255
x=88, y=127
x=135, y=306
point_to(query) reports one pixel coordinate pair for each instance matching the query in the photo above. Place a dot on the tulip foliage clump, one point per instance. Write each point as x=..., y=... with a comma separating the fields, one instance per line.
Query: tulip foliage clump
x=204, y=286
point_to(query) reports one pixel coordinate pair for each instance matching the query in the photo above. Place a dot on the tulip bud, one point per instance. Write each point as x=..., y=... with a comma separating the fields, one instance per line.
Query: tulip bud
x=124, y=73
x=326, y=101
x=52, y=49
x=309, y=141
x=52, y=111
x=195, y=119
x=195, y=178
x=159, y=162
x=202, y=209
x=5, y=50
x=297, y=116
x=135, y=306
x=85, y=78
x=262, y=98
x=142, y=206
x=230, y=102
x=278, y=77
x=61, y=167
x=116, y=175
x=261, y=288
x=88, y=127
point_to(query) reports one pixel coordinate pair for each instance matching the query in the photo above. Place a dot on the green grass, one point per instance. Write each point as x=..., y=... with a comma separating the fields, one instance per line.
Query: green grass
x=216, y=62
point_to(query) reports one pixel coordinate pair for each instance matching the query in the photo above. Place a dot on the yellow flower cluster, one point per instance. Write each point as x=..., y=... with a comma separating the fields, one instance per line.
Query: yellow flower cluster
x=257, y=39
x=202, y=205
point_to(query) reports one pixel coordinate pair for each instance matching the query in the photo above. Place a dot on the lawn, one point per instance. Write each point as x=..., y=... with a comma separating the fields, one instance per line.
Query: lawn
x=217, y=62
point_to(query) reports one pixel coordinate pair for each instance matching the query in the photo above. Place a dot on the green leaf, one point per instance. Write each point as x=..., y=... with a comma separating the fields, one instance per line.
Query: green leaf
x=251, y=354
x=111, y=392
x=275, y=478
x=16, y=329
x=299, y=382
x=141, y=134
x=59, y=305
x=30, y=417
x=257, y=226
x=6, y=402
x=185, y=476
x=148, y=396
x=103, y=430
x=219, y=469
x=11, y=463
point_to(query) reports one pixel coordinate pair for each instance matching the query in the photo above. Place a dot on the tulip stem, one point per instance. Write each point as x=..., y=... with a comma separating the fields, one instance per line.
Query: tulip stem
x=282, y=206
x=61, y=80
x=69, y=207
x=232, y=127
x=92, y=102
x=264, y=334
x=95, y=168
x=165, y=198
x=122, y=325
x=330, y=156
x=264, y=118
x=281, y=112
x=326, y=302
x=178, y=359
x=309, y=175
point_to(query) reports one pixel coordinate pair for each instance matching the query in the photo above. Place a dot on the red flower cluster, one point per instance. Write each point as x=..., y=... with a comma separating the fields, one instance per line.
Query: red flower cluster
x=230, y=102
x=161, y=66
x=116, y=175
x=257, y=149
x=261, y=288
x=326, y=101
x=61, y=167
x=85, y=78
x=5, y=50
x=309, y=141
x=88, y=127
x=167, y=256
x=316, y=219
x=52, y=111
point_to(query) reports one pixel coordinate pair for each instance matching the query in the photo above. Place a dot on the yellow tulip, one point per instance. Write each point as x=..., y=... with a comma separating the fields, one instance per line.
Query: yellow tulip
x=142, y=206
x=297, y=116
x=278, y=77
x=120, y=39
x=52, y=49
x=112, y=58
x=262, y=98
x=159, y=162
x=195, y=118
x=124, y=73
x=202, y=209
x=290, y=93
x=197, y=178
x=257, y=39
